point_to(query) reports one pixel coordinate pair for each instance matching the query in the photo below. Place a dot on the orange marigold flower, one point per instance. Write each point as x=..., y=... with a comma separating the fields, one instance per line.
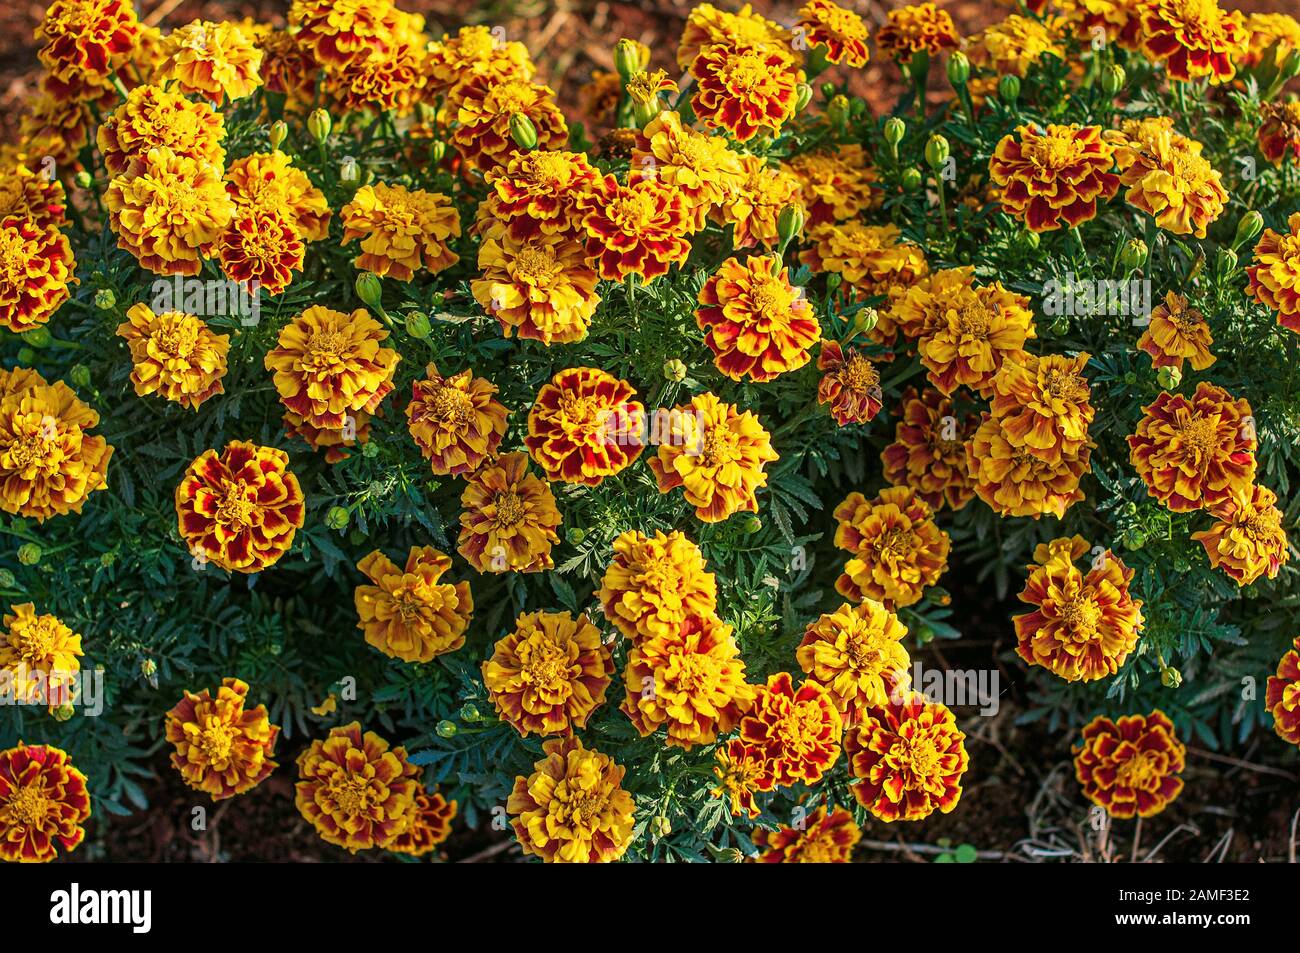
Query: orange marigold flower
x=36, y=267
x=456, y=421
x=541, y=287
x=978, y=330
x=174, y=354
x=708, y=26
x=1054, y=178
x=757, y=202
x=797, y=729
x=585, y=426
x=654, y=584
x=1042, y=404
x=746, y=89
x=389, y=81
x=1088, y=19
x=918, y=309
x=1247, y=540
x=837, y=186
x=639, y=228
x=218, y=61
x=716, y=454
x=86, y=40
x=572, y=808
x=919, y=28
x=856, y=653
x=408, y=613
x=402, y=230
x=1177, y=333
x=1193, y=38
x=1195, y=453
x=698, y=167
x=486, y=107
x=288, y=68
x=821, y=838
x=742, y=771
x=850, y=386
x=1273, y=37
x=49, y=462
x=339, y=31
x=1282, y=696
x=428, y=824
x=354, y=790
x=222, y=748
x=241, y=508
x=328, y=365
x=1279, y=133
x=56, y=128
x=897, y=549
x=1275, y=276
x=152, y=117
x=538, y=193
x=509, y=518
x=757, y=324
x=1017, y=43
x=261, y=247
x=908, y=758
x=549, y=674
x=871, y=258
x=1015, y=482
x=929, y=453
x=1082, y=627
x=39, y=658
x=267, y=182
x=1130, y=767
x=474, y=51
x=1167, y=177
x=840, y=32
x=43, y=802
x=335, y=442
x=31, y=194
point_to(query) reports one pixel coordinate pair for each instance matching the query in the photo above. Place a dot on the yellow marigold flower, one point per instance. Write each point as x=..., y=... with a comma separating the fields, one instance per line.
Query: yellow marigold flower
x=1017, y=43
x=742, y=771
x=1054, y=178
x=919, y=28
x=36, y=267
x=239, y=509
x=328, y=365
x=1042, y=404
x=218, y=61
x=821, y=838
x=550, y=674
x=475, y=51
x=980, y=328
x=1089, y=19
x=1130, y=767
x=402, y=230
x=757, y=324
x=1177, y=333
x=456, y=421
x=267, y=182
x=1275, y=275
x=1015, y=482
x=918, y=309
x=388, y=81
x=25, y=193
x=798, y=730
x=174, y=354
x=49, y=462
x=509, y=518
x=907, y=759
x=572, y=808
x=871, y=258
x=1247, y=540
x=691, y=680
x=542, y=288
x=86, y=40
x=708, y=26
x=929, y=453
x=152, y=117
x=56, y=128
x=837, y=186
x=408, y=613
x=1167, y=177
x=170, y=212
x=1195, y=453
x=840, y=32
x=261, y=247
x=1282, y=696
x=486, y=106
x=339, y=31
x=222, y=748
x=856, y=653
x=1273, y=37
x=1193, y=38
x=43, y=802
x=585, y=426
x=334, y=442
x=897, y=549
x=538, y=193
x=698, y=167
x=850, y=385
x=354, y=790
x=754, y=207
x=1083, y=626
x=639, y=228
x=716, y=454
x=288, y=68
x=745, y=90
x=1279, y=133
x=38, y=655
x=654, y=584
x=428, y=824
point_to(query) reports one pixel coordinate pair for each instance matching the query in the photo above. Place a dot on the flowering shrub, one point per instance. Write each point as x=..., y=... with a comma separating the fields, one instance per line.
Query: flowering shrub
x=686, y=421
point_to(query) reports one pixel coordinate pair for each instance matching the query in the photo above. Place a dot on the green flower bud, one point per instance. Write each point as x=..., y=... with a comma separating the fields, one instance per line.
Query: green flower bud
x=1248, y=227
x=752, y=525
x=83, y=179
x=911, y=180
x=789, y=223
x=865, y=320
x=319, y=125
x=828, y=90
x=1290, y=66
x=468, y=712
x=29, y=554
x=1131, y=378
x=418, y=324
x=148, y=668
x=1134, y=539
x=108, y=560
x=370, y=290
x=1134, y=254
x=1170, y=677
x=574, y=535
x=370, y=450
x=38, y=337
x=857, y=107
x=661, y=826
x=1009, y=88
x=1225, y=263
x=924, y=634
x=446, y=729
x=958, y=69
x=833, y=282
x=895, y=130
x=1030, y=239
x=356, y=537
x=277, y=134
x=627, y=59
x=63, y=712
x=105, y=300
x=7, y=579
x=803, y=96
x=437, y=151
x=337, y=517
x=80, y=375
x=675, y=370
x=1060, y=325
x=837, y=113
x=936, y=152
x=523, y=131
x=1169, y=377
x=1112, y=79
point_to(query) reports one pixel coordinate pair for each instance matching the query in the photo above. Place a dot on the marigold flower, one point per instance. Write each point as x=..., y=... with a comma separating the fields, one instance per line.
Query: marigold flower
x=1088, y=19
x=152, y=117
x=1193, y=38
x=456, y=421
x=86, y=40
x=756, y=204
x=897, y=549
x=218, y=61
x=928, y=453
x=328, y=365
x=585, y=426
x=850, y=386
x=402, y=230
x=837, y=186
x=267, y=182
x=43, y=802
x=1054, y=178
x=756, y=323
x=745, y=89
x=1275, y=275
x=572, y=808
x=428, y=824
x=340, y=31
x=391, y=79
x=1017, y=43
x=474, y=51
x=1247, y=540
x=698, y=167
x=539, y=193
x=239, y=509
x=918, y=309
x=1130, y=767
x=821, y=838
x=354, y=790
x=1273, y=37
x=261, y=247
x=288, y=68
x=56, y=128
x=486, y=106
x=654, y=584
x=1279, y=133
x=335, y=442
x=408, y=613
x=509, y=518
x=1167, y=177
x=716, y=454
x=1042, y=404
x=1195, y=453
x=1177, y=333
x=639, y=229
x=49, y=462
x=38, y=655
x=25, y=193
x=708, y=26
x=36, y=267
x=1282, y=696
x=871, y=258
x=222, y=748
x=908, y=758
x=541, y=287
x=856, y=653
x=840, y=32
x=919, y=28
x=797, y=729
x=550, y=674
x=1014, y=482
x=978, y=330
x=742, y=771
x=174, y=354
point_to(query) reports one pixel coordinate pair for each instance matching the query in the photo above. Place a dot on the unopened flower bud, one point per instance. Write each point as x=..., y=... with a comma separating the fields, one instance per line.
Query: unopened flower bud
x=675, y=370
x=63, y=712
x=865, y=320
x=80, y=375
x=1170, y=677
x=38, y=337
x=83, y=179
x=277, y=134
x=837, y=112
x=574, y=535
x=828, y=90
x=895, y=130
x=857, y=107
x=1169, y=377
x=105, y=300
x=911, y=180
x=958, y=69
x=661, y=826
x=148, y=668
x=627, y=58
x=446, y=729
x=337, y=517
x=7, y=579
x=789, y=223
x=752, y=525
x=1226, y=262
x=1009, y=88
x=370, y=289
x=1112, y=79
x=1134, y=254
x=1248, y=228
x=25, y=356
x=319, y=125
x=29, y=554
x=936, y=152
x=418, y=324
x=802, y=97
x=523, y=131
x=469, y=712
x=437, y=151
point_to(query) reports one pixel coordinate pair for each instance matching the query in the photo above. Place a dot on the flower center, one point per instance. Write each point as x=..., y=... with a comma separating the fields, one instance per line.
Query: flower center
x=895, y=543
x=1136, y=772
x=973, y=321
x=545, y=663
x=536, y=266
x=510, y=509
x=746, y=72
x=351, y=794
x=633, y=211
x=325, y=349
x=35, y=640
x=1081, y=616
x=452, y=406
x=917, y=756
x=1200, y=436
x=29, y=806
x=216, y=740
x=177, y=337
x=1053, y=151
x=860, y=374
x=719, y=446
x=236, y=509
